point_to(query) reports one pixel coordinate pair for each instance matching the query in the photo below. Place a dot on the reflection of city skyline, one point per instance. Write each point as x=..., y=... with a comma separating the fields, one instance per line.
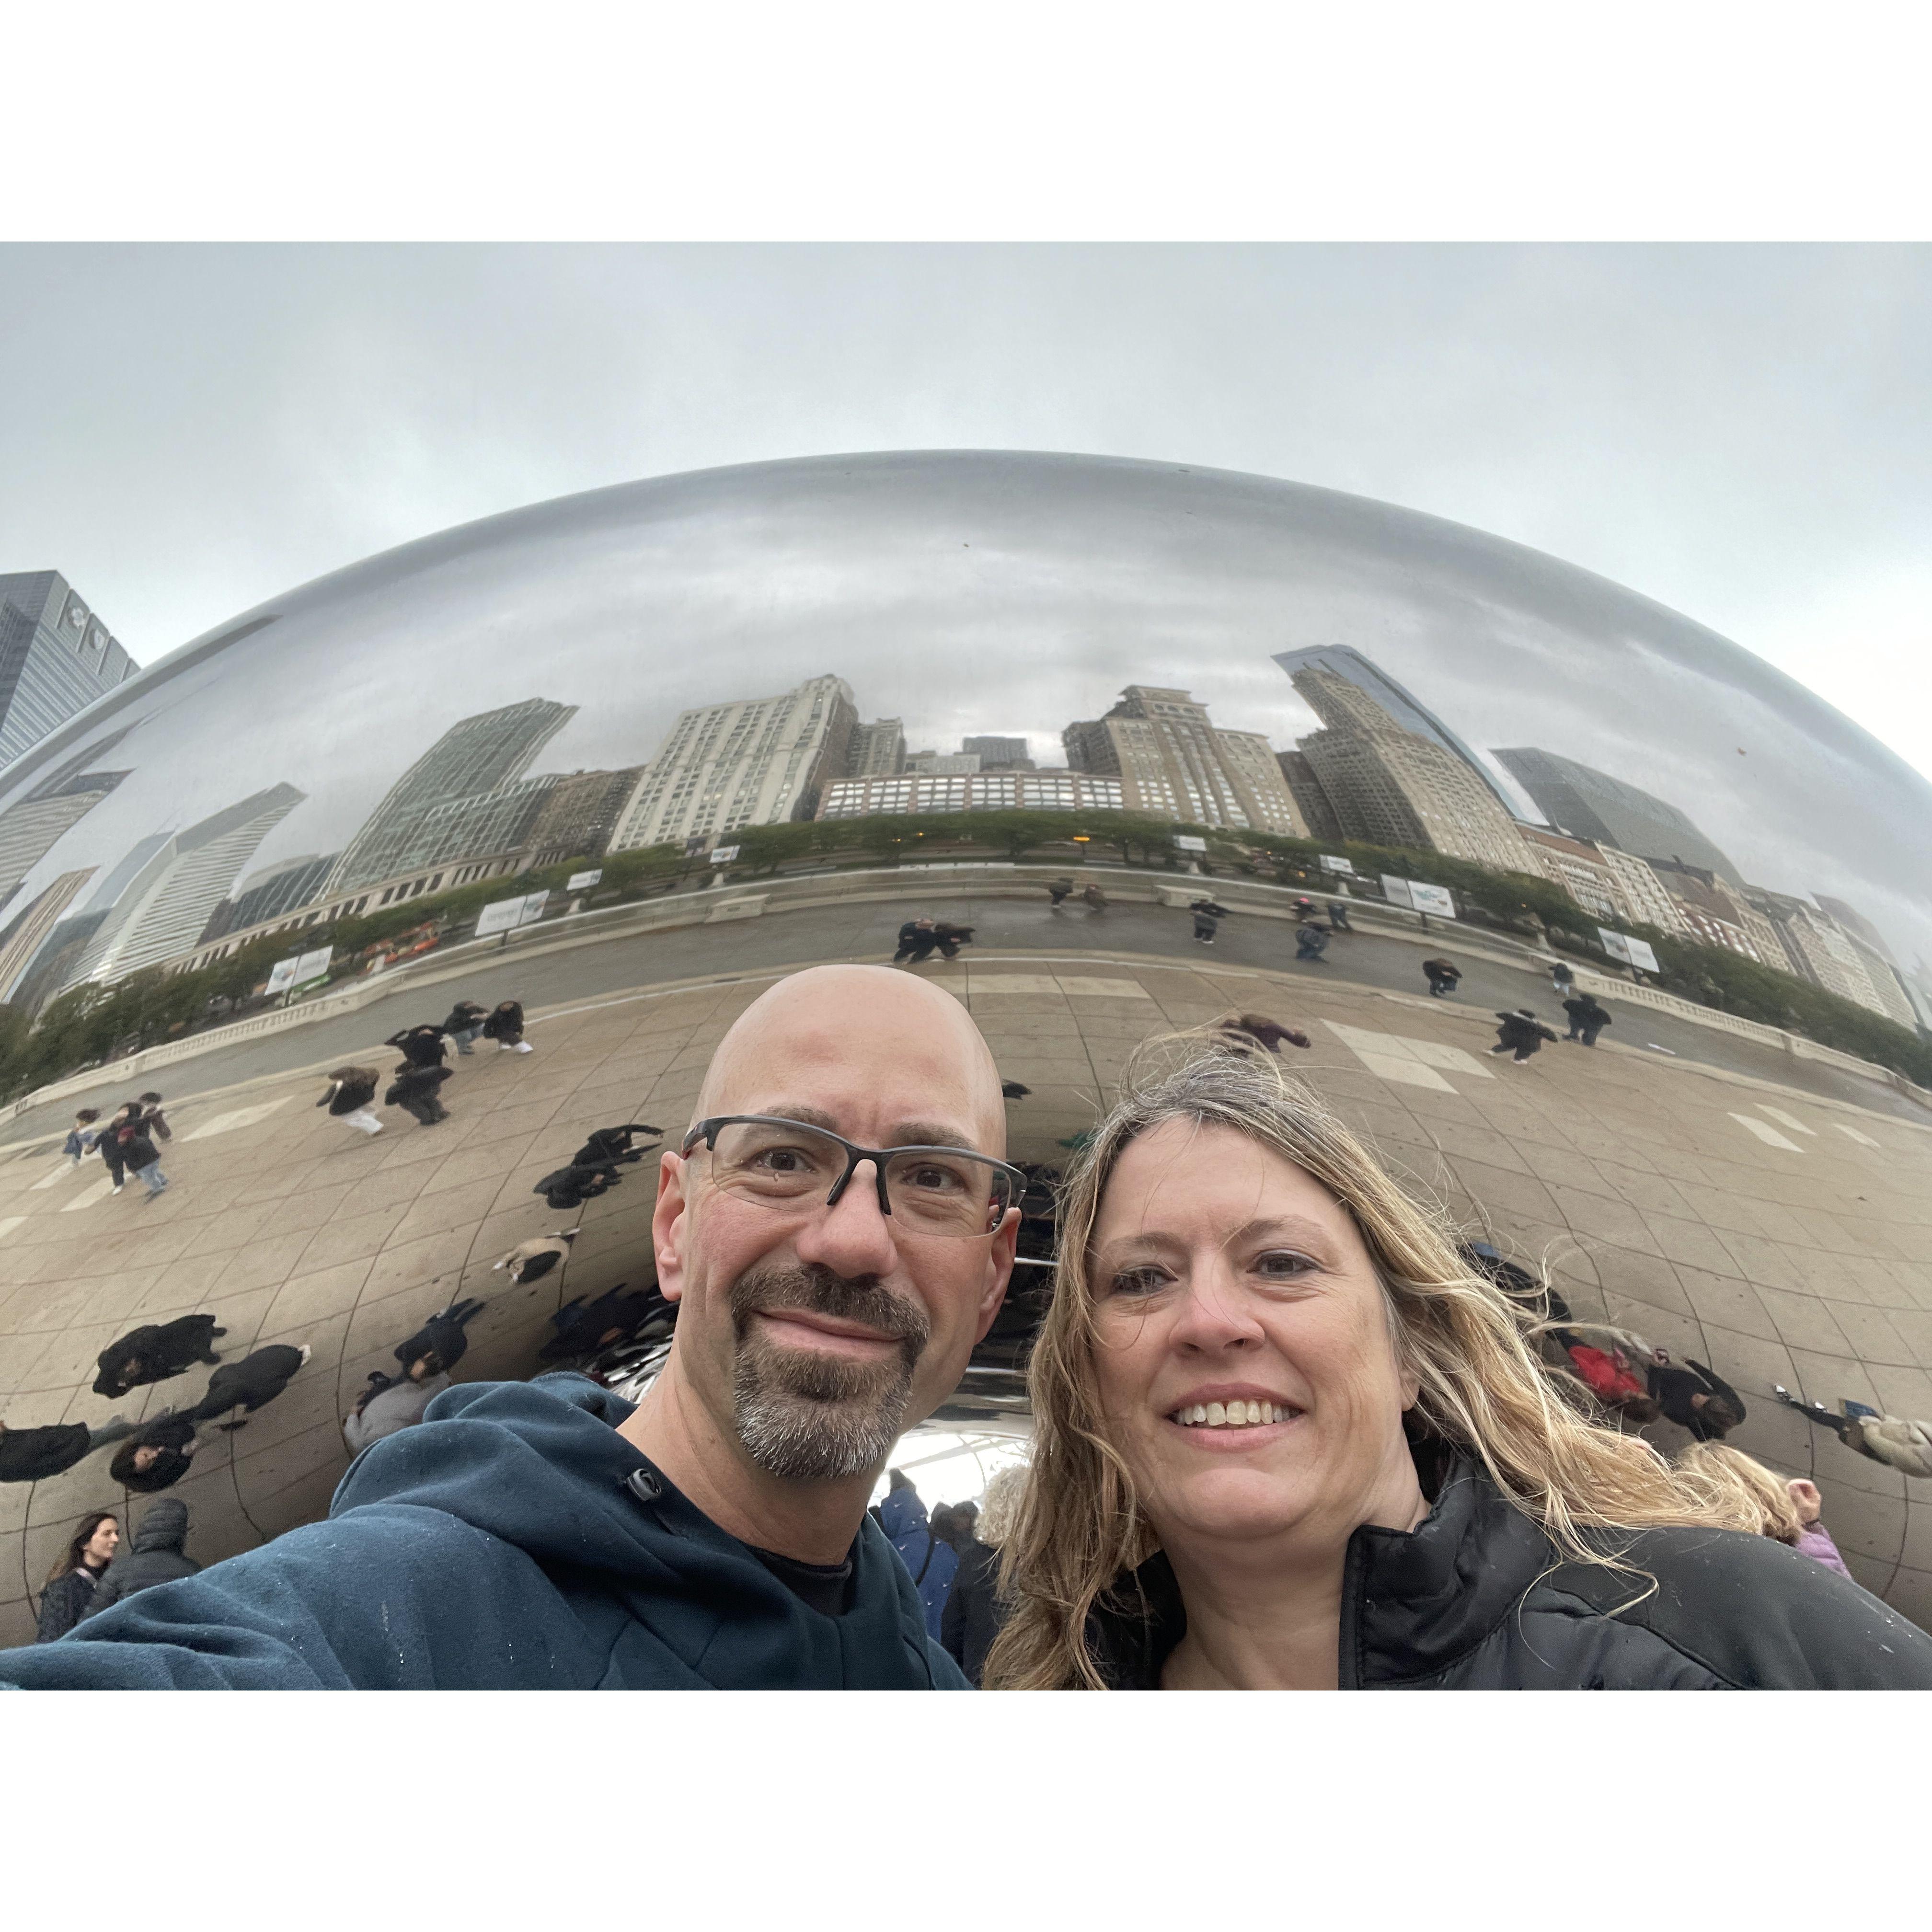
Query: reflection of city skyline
x=640, y=604
x=1383, y=770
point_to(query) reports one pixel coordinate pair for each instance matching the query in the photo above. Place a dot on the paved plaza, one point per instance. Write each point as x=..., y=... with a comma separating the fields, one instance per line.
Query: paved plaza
x=1776, y=1235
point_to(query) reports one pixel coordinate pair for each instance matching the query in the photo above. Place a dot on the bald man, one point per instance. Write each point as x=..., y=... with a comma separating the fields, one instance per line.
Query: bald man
x=837, y=1224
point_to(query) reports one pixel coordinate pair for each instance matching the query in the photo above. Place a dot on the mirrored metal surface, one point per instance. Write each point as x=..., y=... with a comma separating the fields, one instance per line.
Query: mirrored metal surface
x=1101, y=746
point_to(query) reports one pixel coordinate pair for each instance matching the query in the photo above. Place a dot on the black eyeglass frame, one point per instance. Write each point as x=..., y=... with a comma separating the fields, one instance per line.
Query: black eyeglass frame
x=707, y=1132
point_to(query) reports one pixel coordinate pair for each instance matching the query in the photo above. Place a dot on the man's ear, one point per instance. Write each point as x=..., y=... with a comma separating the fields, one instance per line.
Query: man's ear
x=1000, y=1270
x=667, y=1221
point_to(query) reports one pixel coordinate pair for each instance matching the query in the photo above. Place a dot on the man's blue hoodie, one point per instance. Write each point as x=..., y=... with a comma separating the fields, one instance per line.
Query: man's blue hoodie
x=511, y=1540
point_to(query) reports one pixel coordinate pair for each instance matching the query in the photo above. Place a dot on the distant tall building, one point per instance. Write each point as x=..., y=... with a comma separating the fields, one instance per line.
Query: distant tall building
x=1590, y=804
x=578, y=818
x=25, y=937
x=31, y=828
x=1855, y=923
x=951, y=764
x=1391, y=786
x=162, y=908
x=1173, y=763
x=1641, y=891
x=476, y=756
x=268, y=893
x=878, y=750
x=56, y=658
x=1009, y=754
x=1316, y=808
x=751, y=761
x=1395, y=701
x=1719, y=913
x=1578, y=867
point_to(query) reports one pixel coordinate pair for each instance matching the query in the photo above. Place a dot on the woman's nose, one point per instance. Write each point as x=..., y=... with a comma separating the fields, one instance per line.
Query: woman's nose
x=1214, y=1316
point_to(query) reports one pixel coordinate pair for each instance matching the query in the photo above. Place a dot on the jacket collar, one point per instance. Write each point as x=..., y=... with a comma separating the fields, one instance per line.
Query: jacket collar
x=1413, y=1601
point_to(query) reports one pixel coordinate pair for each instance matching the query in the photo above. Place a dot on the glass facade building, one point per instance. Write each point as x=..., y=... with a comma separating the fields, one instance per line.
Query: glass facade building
x=56, y=658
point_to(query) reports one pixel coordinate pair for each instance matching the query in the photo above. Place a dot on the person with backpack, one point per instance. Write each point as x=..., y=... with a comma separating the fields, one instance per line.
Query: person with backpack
x=414, y=1090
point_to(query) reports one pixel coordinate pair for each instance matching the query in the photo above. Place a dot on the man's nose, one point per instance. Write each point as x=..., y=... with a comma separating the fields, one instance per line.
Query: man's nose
x=852, y=1238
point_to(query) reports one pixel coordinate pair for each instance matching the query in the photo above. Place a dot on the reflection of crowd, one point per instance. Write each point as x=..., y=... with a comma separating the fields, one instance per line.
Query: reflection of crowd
x=1284, y=1435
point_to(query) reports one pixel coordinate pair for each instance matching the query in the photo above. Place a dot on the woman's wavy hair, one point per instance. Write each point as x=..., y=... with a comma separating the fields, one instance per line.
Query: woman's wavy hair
x=69, y=1559
x=1482, y=1389
x=1741, y=1487
x=1000, y=1509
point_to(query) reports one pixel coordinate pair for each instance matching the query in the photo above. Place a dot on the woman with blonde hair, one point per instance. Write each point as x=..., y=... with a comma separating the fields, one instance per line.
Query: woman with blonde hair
x=1284, y=1437
x=1788, y=1511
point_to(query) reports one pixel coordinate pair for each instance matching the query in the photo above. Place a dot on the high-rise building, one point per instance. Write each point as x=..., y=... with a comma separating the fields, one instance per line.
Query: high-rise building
x=162, y=908
x=484, y=825
x=26, y=935
x=949, y=764
x=1640, y=892
x=1395, y=701
x=1578, y=867
x=31, y=828
x=751, y=761
x=1590, y=804
x=878, y=749
x=1173, y=763
x=1718, y=913
x=268, y=893
x=1391, y=786
x=476, y=756
x=56, y=658
x=1316, y=808
x=1008, y=754
x=1855, y=923
x=577, y=819
x=971, y=791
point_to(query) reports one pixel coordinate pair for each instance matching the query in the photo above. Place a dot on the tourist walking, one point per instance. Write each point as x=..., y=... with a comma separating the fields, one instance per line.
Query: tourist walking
x=393, y=1402
x=351, y=1091
x=420, y=1046
x=505, y=1025
x=464, y=1023
x=916, y=940
x=1207, y=916
x=1561, y=977
x=73, y=1581
x=1241, y=1029
x=81, y=1136
x=139, y=1155
x=414, y=1089
x=1890, y=1439
x=1059, y=891
x=531, y=1260
x=157, y=1354
x=975, y=1612
x=1442, y=976
x=34, y=1455
x=1093, y=898
x=950, y=938
x=1311, y=942
x=159, y=1456
x=1521, y=1033
x=1587, y=1019
x=249, y=1384
x=1338, y=916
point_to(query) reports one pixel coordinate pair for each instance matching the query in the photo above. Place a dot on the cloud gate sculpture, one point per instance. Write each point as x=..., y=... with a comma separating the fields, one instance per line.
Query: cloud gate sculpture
x=1127, y=735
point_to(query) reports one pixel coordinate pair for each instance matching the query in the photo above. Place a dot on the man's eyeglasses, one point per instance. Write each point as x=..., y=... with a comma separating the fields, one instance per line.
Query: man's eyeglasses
x=785, y=1164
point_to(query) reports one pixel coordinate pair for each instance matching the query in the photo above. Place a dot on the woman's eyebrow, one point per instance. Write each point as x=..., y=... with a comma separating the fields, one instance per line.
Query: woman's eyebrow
x=1269, y=1227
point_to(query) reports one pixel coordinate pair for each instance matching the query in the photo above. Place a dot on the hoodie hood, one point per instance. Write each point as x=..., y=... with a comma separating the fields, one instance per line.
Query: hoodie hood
x=164, y=1527
x=902, y=1515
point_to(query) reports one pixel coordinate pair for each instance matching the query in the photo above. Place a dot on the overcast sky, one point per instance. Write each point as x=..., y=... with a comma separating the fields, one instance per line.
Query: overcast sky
x=1743, y=432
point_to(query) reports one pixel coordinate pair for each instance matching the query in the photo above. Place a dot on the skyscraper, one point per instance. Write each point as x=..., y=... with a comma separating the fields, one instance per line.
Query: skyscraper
x=1172, y=762
x=163, y=907
x=1395, y=701
x=30, y=829
x=579, y=815
x=1590, y=804
x=878, y=750
x=268, y=893
x=1316, y=808
x=1005, y=753
x=1390, y=786
x=475, y=755
x=56, y=658
x=23, y=938
x=751, y=761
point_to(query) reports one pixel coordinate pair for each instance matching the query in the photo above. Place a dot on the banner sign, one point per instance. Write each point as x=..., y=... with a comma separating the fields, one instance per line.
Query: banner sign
x=282, y=974
x=506, y=915
x=723, y=855
x=1632, y=952
x=312, y=965
x=1329, y=863
x=1183, y=842
x=1419, y=896
x=582, y=882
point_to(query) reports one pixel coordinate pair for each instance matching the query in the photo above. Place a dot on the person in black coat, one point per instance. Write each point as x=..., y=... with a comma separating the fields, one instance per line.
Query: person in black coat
x=975, y=1612
x=950, y=937
x=917, y=937
x=567, y=1187
x=156, y=1354
x=583, y=1328
x=505, y=1026
x=1521, y=1033
x=414, y=1089
x=607, y=1148
x=1311, y=942
x=464, y=1023
x=159, y=1456
x=156, y=1554
x=1587, y=1019
x=1694, y=1398
x=1208, y=917
x=420, y=1046
x=351, y=1090
x=440, y=1341
x=1442, y=976
x=250, y=1383
x=34, y=1455
x=73, y=1581
x=108, y=1143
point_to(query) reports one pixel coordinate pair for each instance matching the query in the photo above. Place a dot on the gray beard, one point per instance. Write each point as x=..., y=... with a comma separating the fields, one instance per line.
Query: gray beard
x=820, y=1418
